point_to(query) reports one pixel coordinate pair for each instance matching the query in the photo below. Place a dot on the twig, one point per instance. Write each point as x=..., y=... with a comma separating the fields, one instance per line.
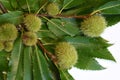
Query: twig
x=74, y=16
x=66, y=16
x=3, y=9
x=49, y=54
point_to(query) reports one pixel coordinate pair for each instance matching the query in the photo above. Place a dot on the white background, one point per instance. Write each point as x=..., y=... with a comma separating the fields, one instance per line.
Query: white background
x=112, y=34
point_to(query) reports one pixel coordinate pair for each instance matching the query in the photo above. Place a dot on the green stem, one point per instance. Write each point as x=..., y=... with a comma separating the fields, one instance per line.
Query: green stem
x=41, y=8
x=28, y=6
x=65, y=6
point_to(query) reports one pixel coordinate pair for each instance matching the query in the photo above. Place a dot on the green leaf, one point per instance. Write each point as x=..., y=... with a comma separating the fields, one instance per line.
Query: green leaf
x=6, y=4
x=1, y=76
x=13, y=4
x=65, y=4
x=29, y=5
x=27, y=63
x=36, y=69
x=46, y=36
x=112, y=19
x=3, y=64
x=40, y=66
x=87, y=63
x=72, y=3
x=14, y=17
x=16, y=71
x=54, y=70
x=112, y=11
x=65, y=75
x=42, y=2
x=45, y=33
x=3, y=61
x=82, y=7
x=19, y=75
x=108, y=5
x=62, y=27
x=93, y=47
x=33, y=4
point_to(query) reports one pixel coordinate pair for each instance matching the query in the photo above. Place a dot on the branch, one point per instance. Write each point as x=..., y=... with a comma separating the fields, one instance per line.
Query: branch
x=50, y=55
x=74, y=16
x=3, y=9
x=66, y=16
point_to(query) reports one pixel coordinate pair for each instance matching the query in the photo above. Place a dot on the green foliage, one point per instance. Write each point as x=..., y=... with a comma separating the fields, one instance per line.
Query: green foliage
x=109, y=5
x=3, y=63
x=27, y=63
x=83, y=6
x=87, y=63
x=62, y=27
x=40, y=67
x=39, y=62
x=16, y=65
x=111, y=20
x=14, y=17
x=64, y=75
